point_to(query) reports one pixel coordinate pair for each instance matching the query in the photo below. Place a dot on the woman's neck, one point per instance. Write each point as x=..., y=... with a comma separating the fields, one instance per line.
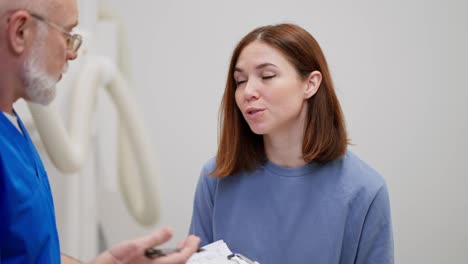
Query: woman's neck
x=285, y=149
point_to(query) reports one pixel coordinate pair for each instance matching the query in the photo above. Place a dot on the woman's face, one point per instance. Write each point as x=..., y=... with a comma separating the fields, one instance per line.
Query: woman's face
x=270, y=93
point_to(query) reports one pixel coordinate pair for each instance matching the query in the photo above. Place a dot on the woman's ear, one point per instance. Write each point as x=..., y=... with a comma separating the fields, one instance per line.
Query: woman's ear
x=313, y=82
x=18, y=31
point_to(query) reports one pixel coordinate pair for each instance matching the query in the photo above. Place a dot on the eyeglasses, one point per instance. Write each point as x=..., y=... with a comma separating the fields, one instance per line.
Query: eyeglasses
x=73, y=40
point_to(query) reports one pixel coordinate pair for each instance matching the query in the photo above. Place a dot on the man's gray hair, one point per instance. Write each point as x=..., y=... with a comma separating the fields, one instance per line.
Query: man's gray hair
x=37, y=6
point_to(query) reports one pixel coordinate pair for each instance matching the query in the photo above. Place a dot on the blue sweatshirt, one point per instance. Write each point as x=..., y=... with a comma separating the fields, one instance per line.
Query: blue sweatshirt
x=336, y=212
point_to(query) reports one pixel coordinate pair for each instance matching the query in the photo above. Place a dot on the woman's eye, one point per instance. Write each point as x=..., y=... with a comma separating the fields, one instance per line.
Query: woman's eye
x=239, y=82
x=267, y=77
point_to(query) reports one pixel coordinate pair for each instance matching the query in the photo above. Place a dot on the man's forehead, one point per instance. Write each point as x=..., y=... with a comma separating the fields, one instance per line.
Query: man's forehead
x=65, y=11
x=68, y=6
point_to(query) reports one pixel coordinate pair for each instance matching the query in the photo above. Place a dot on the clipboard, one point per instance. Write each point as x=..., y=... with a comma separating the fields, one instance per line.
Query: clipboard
x=219, y=253
x=241, y=259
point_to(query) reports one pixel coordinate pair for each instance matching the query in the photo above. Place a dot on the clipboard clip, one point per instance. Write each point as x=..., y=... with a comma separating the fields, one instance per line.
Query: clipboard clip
x=241, y=259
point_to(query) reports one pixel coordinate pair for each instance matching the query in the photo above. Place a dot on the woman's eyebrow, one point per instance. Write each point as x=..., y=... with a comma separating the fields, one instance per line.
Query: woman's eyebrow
x=258, y=67
x=264, y=65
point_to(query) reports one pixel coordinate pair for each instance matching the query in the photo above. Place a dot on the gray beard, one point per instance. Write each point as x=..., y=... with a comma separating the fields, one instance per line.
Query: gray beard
x=39, y=86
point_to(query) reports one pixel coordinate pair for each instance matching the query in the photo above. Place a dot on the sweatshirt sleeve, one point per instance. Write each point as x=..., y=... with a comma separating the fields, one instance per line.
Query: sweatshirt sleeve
x=202, y=217
x=376, y=243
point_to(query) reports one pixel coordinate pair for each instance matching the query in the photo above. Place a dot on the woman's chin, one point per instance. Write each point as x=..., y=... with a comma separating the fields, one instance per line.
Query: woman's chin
x=259, y=130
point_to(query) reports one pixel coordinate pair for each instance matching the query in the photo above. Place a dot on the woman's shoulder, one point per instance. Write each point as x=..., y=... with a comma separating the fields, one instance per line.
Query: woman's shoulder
x=206, y=182
x=206, y=174
x=209, y=166
x=359, y=175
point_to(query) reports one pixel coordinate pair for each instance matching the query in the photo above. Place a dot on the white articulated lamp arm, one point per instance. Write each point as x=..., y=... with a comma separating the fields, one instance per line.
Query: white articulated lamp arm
x=68, y=151
x=145, y=210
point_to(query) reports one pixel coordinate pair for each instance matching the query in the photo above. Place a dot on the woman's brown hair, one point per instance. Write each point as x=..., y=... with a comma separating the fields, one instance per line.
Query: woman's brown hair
x=325, y=136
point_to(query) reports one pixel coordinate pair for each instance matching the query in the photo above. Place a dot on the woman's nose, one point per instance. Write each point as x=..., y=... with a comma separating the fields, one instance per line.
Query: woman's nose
x=250, y=90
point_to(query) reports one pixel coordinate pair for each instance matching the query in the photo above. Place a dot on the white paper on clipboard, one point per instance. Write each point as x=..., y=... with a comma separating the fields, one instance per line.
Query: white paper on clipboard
x=217, y=253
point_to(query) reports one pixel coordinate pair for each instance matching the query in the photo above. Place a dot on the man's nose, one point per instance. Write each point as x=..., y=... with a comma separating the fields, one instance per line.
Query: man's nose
x=71, y=55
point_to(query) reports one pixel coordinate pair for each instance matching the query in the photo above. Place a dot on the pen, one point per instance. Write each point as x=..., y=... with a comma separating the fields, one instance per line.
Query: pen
x=160, y=252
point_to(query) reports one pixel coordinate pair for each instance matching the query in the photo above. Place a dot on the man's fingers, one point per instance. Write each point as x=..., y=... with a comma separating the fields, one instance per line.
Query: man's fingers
x=190, y=246
x=191, y=243
x=157, y=238
x=181, y=244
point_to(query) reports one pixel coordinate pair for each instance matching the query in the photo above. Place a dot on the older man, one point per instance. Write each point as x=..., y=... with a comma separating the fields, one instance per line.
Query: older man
x=36, y=43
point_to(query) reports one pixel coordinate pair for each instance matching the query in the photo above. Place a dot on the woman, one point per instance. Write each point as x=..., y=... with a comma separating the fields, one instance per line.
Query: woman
x=283, y=187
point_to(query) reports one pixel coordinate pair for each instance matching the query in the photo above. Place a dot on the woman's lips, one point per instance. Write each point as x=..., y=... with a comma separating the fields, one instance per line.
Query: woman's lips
x=253, y=113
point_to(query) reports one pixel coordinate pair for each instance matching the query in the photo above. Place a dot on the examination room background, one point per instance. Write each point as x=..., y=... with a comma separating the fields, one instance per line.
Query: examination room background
x=400, y=71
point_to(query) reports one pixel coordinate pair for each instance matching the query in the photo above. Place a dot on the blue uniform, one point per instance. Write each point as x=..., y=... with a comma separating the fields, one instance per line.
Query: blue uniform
x=28, y=232
x=335, y=213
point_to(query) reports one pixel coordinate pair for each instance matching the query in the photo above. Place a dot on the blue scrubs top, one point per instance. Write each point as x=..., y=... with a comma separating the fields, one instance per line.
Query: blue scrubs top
x=28, y=232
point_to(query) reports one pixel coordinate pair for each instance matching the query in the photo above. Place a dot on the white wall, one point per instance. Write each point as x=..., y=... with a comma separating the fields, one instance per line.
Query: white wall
x=399, y=67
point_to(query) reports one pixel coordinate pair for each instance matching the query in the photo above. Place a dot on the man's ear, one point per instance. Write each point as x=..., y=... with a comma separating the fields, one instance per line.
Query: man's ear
x=19, y=31
x=313, y=82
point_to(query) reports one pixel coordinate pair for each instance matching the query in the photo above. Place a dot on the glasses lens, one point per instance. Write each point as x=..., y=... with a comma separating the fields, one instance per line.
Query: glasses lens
x=74, y=43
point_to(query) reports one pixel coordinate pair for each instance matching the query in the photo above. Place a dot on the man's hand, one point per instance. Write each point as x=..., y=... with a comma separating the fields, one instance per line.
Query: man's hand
x=134, y=251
